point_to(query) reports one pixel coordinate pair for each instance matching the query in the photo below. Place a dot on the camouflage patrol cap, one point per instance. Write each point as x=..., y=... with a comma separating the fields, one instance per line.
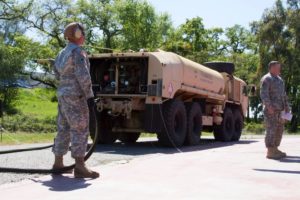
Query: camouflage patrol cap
x=73, y=31
x=272, y=63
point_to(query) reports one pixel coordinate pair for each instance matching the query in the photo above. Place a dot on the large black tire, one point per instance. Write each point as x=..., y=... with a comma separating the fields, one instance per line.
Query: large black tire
x=194, y=124
x=105, y=125
x=129, y=138
x=224, y=132
x=238, y=121
x=174, y=124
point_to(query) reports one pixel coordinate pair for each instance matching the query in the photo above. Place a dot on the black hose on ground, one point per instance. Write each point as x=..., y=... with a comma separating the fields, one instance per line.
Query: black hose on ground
x=49, y=171
x=23, y=150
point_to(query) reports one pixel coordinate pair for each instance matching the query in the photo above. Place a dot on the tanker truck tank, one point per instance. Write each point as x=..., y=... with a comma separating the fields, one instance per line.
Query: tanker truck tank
x=166, y=94
x=180, y=75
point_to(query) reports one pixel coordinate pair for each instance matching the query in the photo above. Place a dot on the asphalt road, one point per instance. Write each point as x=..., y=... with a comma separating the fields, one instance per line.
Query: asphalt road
x=211, y=170
x=104, y=154
x=115, y=154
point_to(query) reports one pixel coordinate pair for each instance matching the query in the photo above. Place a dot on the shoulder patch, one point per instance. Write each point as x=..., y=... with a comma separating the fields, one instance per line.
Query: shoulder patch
x=79, y=57
x=83, y=53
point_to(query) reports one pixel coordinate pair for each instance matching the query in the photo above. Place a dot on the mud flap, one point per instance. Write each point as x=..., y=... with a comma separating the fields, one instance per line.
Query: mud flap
x=153, y=118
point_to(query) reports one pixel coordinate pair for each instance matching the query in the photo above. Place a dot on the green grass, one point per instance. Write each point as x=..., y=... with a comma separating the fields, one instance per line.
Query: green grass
x=36, y=112
x=25, y=138
x=37, y=103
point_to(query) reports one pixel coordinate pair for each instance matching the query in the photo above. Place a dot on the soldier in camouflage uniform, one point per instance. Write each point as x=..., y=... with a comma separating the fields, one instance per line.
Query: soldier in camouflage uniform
x=75, y=99
x=275, y=101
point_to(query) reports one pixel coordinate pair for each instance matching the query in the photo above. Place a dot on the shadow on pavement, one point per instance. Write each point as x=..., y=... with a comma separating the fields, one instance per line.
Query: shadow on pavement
x=278, y=171
x=150, y=147
x=60, y=183
x=291, y=159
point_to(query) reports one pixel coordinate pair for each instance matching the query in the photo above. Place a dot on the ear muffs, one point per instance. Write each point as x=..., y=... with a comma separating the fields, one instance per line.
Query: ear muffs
x=78, y=32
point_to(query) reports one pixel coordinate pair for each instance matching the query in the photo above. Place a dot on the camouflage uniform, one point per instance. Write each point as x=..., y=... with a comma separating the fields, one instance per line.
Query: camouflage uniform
x=272, y=94
x=72, y=70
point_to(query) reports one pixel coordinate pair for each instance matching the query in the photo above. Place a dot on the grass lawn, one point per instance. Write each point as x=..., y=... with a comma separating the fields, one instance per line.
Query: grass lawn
x=37, y=103
x=25, y=138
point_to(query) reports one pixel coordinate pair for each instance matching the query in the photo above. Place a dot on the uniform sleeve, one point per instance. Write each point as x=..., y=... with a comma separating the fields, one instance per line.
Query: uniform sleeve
x=82, y=74
x=56, y=74
x=287, y=106
x=264, y=92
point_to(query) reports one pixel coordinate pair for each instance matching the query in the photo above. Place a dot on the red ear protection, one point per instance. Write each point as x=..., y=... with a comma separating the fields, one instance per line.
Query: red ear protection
x=78, y=32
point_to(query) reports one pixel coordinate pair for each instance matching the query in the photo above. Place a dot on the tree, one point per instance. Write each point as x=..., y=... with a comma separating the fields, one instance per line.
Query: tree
x=238, y=39
x=13, y=10
x=10, y=18
x=216, y=45
x=50, y=17
x=141, y=26
x=102, y=17
x=278, y=36
x=11, y=63
x=189, y=40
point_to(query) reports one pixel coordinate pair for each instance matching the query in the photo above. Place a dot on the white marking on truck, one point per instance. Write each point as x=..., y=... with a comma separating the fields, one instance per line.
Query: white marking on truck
x=170, y=89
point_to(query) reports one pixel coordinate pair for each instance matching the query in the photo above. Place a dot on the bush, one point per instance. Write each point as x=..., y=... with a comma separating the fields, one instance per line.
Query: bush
x=25, y=123
x=255, y=128
x=54, y=99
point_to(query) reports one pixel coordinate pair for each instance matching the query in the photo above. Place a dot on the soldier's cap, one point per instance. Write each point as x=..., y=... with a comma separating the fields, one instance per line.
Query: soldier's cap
x=272, y=63
x=74, y=31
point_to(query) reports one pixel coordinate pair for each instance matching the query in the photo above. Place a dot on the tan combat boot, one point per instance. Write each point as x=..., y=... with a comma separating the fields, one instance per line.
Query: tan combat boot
x=273, y=154
x=81, y=171
x=59, y=163
x=283, y=154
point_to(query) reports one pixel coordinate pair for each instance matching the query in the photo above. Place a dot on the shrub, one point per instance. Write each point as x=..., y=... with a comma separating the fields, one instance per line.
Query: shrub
x=26, y=123
x=255, y=128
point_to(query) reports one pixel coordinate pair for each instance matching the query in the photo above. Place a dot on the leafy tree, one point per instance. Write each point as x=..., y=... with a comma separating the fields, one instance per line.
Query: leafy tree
x=11, y=63
x=102, y=18
x=141, y=26
x=278, y=34
x=239, y=39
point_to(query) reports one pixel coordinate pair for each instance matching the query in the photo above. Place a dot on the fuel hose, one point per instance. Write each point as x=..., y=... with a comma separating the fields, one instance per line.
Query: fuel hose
x=50, y=171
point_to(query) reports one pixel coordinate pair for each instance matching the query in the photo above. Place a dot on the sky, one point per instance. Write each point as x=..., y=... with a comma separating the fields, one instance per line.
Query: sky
x=215, y=13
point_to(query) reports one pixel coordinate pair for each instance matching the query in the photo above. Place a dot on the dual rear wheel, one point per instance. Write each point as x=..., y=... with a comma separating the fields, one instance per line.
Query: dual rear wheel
x=182, y=124
x=231, y=126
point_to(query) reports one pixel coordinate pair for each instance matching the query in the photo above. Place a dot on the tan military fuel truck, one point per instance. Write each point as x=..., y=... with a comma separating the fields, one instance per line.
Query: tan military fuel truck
x=168, y=95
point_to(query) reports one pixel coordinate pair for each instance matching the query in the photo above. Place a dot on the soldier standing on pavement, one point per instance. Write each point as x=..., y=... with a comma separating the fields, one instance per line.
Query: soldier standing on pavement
x=75, y=99
x=275, y=101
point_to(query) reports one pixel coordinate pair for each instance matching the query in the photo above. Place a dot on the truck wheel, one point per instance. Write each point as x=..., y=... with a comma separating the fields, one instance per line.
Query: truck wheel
x=238, y=124
x=105, y=125
x=194, y=124
x=129, y=138
x=174, y=124
x=224, y=132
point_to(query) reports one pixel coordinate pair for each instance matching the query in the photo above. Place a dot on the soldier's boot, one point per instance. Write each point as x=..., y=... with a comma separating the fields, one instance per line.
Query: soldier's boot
x=273, y=154
x=81, y=171
x=59, y=163
x=283, y=154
